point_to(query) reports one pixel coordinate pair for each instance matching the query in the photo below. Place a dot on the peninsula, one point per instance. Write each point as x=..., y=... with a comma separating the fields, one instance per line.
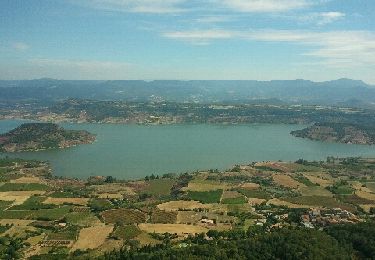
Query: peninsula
x=42, y=136
x=339, y=133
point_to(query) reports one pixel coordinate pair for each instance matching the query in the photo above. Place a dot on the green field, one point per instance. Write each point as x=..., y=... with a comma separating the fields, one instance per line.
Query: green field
x=23, y=187
x=4, y=204
x=259, y=194
x=80, y=218
x=68, y=233
x=159, y=187
x=302, y=179
x=50, y=214
x=98, y=205
x=341, y=189
x=33, y=203
x=126, y=232
x=354, y=199
x=206, y=196
x=238, y=200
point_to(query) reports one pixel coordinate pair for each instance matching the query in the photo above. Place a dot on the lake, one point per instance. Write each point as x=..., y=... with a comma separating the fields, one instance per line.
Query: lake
x=134, y=151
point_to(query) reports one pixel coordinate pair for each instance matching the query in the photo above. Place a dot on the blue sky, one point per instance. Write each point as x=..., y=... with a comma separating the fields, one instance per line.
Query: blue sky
x=187, y=39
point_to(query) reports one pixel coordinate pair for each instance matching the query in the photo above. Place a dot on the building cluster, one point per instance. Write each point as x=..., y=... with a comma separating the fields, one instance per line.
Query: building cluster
x=323, y=217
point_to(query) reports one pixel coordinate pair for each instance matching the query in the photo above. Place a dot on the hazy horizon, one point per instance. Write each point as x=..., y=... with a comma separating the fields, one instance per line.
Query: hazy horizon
x=184, y=40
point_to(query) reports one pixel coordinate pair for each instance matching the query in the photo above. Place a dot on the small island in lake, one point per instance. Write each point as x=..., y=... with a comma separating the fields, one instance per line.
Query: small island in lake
x=42, y=136
x=339, y=133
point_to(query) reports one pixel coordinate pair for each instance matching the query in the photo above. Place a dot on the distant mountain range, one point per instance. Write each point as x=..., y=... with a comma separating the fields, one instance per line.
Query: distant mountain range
x=344, y=92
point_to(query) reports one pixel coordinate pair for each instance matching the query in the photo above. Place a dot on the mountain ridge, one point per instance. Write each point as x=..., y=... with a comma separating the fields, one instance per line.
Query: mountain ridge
x=338, y=91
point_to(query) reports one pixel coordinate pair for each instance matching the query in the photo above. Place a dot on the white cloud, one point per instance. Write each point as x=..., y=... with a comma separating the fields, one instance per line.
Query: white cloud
x=212, y=19
x=335, y=48
x=20, y=46
x=262, y=6
x=322, y=18
x=80, y=69
x=137, y=6
x=199, y=37
x=176, y=6
x=329, y=17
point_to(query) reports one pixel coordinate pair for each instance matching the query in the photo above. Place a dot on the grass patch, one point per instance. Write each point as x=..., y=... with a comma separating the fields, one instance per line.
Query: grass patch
x=33, y=203
x=161, y=216
x=80, y=218
x=238, y=200
x=259, y=194
x=23, y=187
x=50, y=214
x=15, y=214
x=159, y=187
x=126, y=232
x=302, y=179
x=4, y=204
x=99, y=205
x=341, y=188
x=69, y=233
x=4, y=228
x=354, y=199
x=62, y=194
x=267, y=168
x=123, y=216
x=206, y=196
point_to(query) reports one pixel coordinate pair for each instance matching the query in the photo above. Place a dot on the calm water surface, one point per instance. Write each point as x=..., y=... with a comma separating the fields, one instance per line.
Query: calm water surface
x=133, y=151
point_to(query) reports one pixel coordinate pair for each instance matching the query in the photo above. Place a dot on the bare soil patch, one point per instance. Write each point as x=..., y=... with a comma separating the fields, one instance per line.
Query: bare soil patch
x=179, y=229
x=287, y=181
x=182, y=204
x=92, y=237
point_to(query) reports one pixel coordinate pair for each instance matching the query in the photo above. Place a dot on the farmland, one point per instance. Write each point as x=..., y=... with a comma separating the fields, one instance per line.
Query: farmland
x=65, y=217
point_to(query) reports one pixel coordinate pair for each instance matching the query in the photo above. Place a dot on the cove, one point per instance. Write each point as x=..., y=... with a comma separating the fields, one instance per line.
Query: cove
x=134, y=151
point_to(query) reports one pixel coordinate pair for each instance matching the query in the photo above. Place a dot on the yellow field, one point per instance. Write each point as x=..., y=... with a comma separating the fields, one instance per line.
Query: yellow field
x=255, y=201
x=365, y=195
x=182, y=204
x=367, y=207
x=321, y=179
x=359, y=186
x=110, y=196
x=286, y=181
x=19, y=231
x=206, y=186
x=191, y=217
x=145, y=239
x=315, y=191
x=278, y=202
x=15, y=222
x=179, y=229
x=250, y=186
x=108, y=246
x=185, y=217
x=92, y=237
x=31, y=179
x=230, y=194
x=60, y=201
x=18, y=197
x=113, y=188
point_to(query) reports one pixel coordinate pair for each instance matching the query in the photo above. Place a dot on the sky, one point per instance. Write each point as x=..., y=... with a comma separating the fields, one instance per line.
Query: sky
x=317, y=40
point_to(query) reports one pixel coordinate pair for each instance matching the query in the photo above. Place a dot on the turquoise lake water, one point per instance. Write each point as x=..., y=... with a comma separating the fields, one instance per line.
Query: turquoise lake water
x=134, y=151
